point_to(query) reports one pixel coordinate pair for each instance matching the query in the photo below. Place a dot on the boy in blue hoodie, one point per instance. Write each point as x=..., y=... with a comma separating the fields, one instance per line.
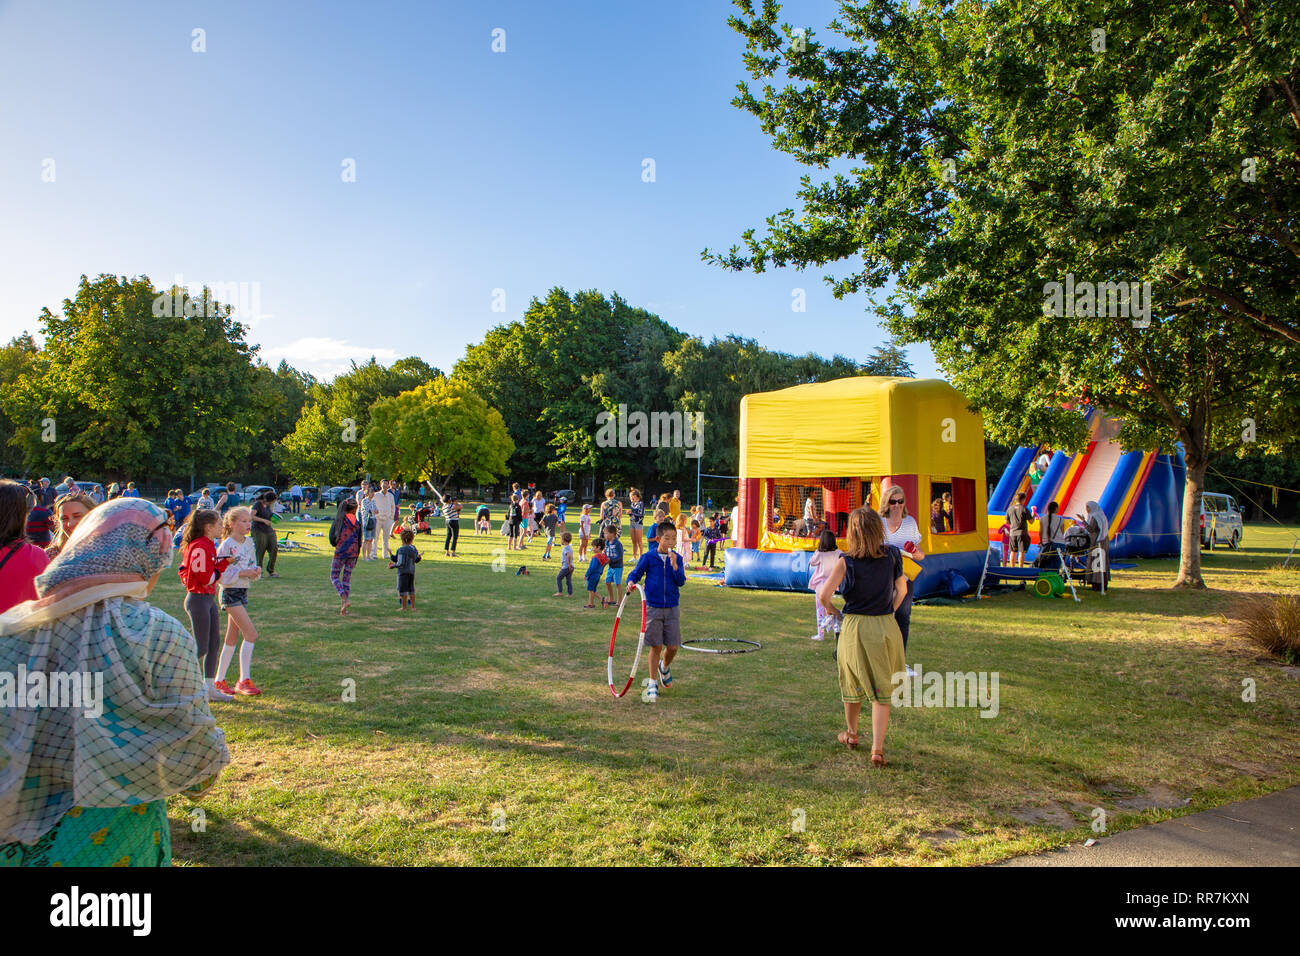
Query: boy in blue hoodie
x=664, y=574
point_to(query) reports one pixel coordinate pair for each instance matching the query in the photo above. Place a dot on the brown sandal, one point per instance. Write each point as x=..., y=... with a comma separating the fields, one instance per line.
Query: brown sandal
x=849, y=739
x=878, y=759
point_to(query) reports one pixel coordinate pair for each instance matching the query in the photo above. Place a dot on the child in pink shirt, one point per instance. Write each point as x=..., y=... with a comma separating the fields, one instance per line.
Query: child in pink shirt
x=820, y=565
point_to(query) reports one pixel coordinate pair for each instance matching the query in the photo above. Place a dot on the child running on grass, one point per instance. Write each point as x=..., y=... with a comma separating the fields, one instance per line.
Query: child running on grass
x=565, y=574
x=598, y=561
x=405, y=561
x=664, y=573
x=200, y=570
x=614, y=574
x=238, y=548
x=820, y=565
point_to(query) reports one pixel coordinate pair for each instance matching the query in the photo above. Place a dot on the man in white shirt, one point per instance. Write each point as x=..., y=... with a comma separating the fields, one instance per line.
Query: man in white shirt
x=295, y=498
x=385, y=512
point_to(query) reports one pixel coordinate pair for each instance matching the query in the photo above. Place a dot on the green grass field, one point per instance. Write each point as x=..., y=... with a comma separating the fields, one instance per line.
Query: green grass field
x=483, y=731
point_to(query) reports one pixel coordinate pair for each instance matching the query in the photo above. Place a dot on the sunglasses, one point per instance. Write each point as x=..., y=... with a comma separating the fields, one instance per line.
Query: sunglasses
x=895, y=501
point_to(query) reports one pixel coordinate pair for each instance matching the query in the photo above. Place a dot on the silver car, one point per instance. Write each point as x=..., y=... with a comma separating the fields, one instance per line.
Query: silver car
x=1220, y=521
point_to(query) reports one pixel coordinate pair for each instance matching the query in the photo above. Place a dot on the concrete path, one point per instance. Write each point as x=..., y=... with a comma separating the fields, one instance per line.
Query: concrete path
x=1264, y=831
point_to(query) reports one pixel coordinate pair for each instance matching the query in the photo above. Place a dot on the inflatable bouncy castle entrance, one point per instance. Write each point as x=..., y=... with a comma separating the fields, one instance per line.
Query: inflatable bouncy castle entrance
x=822, y=450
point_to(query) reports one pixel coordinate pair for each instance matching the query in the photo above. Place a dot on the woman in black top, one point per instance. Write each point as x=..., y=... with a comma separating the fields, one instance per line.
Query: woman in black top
x=870, y=650
x=451, y=509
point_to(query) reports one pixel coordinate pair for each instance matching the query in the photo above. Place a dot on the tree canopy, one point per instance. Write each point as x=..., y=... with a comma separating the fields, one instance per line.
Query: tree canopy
x=118, y=390
x=988, y=154
x=436, y=431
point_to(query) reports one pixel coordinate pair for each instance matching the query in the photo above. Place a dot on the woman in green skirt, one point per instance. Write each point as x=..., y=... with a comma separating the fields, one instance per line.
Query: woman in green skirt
x=870, y=651
x=87, y=765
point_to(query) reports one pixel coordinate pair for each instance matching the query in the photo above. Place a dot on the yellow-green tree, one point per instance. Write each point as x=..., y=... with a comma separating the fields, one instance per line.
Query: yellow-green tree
x=434, y=431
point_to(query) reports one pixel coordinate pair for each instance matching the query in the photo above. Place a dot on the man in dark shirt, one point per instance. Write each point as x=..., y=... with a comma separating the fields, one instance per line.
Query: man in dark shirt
x=1018, y=530
x=47, y=494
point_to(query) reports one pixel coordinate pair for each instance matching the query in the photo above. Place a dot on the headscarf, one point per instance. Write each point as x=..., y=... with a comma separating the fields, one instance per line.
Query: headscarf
x=1096, y=514
x=153, y=735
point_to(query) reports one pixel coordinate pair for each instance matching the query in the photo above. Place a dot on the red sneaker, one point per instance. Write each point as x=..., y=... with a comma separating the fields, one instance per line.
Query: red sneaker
x=223, y=687
x=247, y=688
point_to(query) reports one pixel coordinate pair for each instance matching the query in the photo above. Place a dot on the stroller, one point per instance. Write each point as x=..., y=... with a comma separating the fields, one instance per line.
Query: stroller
x=418, y=518
x=1078, y=543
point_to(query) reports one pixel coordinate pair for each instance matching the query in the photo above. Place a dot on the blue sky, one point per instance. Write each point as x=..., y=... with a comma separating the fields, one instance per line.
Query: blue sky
x=475, y=170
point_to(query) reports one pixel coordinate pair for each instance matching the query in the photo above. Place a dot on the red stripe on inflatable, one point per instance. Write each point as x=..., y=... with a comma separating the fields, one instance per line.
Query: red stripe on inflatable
x=1063, y=497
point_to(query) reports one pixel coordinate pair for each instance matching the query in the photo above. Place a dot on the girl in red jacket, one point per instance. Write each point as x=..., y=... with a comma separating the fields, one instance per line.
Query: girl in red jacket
x=200, y=570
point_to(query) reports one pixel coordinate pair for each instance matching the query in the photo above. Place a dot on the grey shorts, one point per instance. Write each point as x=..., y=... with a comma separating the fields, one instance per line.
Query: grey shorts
x=663, y=627
x=234, y=597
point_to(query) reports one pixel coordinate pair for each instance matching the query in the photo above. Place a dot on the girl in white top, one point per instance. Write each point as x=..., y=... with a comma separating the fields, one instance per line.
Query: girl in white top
x=900, y=530
x=584, y=529
x=242, y=570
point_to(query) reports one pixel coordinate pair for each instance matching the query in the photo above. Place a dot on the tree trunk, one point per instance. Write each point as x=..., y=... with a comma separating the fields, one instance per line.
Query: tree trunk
x=1189, y=563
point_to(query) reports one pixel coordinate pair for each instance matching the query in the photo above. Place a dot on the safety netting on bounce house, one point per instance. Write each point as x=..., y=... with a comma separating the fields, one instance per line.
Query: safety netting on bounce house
x=843, y=443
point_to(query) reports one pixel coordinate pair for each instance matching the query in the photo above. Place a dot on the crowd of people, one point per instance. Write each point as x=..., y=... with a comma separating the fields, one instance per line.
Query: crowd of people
x=81, y=569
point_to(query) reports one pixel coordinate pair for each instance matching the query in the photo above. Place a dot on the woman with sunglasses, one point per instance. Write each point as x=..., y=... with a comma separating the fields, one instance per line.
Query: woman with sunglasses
x=901, y=532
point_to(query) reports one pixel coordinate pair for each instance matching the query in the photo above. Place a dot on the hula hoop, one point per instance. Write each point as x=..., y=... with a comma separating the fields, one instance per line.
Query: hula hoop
x=753, y=645
x=640, y=643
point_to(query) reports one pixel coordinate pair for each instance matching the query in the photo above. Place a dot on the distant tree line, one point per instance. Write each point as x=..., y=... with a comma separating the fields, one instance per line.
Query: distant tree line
x=120, y=389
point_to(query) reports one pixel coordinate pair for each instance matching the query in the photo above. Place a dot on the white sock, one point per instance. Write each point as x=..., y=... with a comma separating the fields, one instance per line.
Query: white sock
x=245, y=658
x=227, y=655
x=209, y=681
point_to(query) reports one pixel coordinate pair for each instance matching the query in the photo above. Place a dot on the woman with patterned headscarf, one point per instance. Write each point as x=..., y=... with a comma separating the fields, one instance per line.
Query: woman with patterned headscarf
x=85, y=773
x=1099, y=559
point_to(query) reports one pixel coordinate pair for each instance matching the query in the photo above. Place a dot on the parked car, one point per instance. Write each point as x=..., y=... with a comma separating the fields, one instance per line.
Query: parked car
x=252, y=492
x=1220, y=517
x=339, y=492
x=568, y=494
x=88, y=486
x=217, y=488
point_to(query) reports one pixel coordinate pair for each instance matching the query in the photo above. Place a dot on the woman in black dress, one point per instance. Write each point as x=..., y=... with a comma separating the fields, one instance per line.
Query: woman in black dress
x=870, y=650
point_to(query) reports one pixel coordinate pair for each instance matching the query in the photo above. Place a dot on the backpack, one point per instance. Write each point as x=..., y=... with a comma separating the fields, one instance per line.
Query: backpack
x=334, y=535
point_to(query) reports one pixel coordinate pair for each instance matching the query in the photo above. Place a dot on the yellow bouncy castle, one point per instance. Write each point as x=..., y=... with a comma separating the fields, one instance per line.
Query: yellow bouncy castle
x=812, y=453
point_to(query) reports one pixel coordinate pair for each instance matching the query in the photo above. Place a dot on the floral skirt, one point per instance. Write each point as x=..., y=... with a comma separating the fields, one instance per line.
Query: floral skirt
x=100, y=836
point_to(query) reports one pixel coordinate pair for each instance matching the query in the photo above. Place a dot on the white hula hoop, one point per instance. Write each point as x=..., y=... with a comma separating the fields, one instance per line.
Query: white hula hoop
x=640, y=643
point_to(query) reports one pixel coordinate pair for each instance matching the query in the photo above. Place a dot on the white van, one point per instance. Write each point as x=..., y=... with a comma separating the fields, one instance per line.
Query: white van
x=1220, y=517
